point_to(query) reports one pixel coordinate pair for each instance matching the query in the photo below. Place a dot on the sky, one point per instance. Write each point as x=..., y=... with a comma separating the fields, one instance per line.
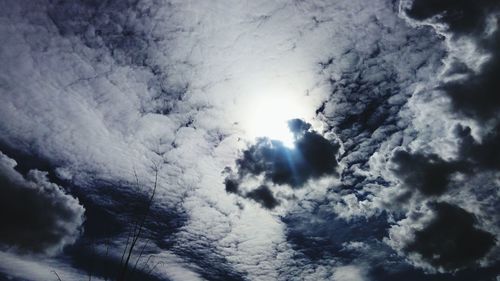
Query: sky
x=344, y=140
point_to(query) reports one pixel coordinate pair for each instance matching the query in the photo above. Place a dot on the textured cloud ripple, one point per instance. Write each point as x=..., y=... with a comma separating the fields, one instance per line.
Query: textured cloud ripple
x=146, y=140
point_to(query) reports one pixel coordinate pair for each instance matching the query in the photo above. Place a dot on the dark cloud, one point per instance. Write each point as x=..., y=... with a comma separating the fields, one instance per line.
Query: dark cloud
x=431, y=175
x=428, y=174
x=311, y=157
x=462, y=16
x=118, y=206
x=86, y=258
x=298, y=126
x=231, y=185
x=476, y=96
x=321, y=233
x=210, y=265
x=264, y=196
x=110, y=217
x=451, y=240
x=5, y=277
x=454, y=239
x=371, y=83
x=36, y=215
x=484, y=154
x=398, y=272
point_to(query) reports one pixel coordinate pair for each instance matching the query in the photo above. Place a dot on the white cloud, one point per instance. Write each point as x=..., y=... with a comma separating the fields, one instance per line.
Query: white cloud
x=349, y=273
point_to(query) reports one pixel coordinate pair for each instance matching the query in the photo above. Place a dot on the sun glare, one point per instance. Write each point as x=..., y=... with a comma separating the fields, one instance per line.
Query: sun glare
x=268, y=117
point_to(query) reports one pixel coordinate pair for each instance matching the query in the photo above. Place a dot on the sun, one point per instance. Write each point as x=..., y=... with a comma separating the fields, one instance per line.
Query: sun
x=268, y=115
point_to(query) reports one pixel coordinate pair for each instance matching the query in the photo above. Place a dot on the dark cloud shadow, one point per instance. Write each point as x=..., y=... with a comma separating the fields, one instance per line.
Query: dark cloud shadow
x=320, y=235
x=6, y=277
x=85, y=257
x=398, y=272
x=210, y=264
x=111, y=215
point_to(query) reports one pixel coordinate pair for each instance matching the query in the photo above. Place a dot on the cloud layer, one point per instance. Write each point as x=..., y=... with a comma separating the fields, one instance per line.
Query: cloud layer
x=393, y=173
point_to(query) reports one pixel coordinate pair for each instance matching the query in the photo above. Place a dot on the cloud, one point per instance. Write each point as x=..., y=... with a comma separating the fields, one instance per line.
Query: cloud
x=97, y=91
x=24, y=268
x=483, y=154
x=37, y=215
x=443, y=237
x=428, y=174
x=349, y=273
x=451, y=239
x=474, y=94
x=321, y=233
x=312, y=157
x=460, y=16
x=372, y=81
x=264, y=196
x=484, y=103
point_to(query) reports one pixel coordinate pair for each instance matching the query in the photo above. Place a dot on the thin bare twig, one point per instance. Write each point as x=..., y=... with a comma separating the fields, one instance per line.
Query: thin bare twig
x=126, y=247
x=57, y=275
x=141, y=253
x=156, y=264
x=139, y=226
x=146, y=262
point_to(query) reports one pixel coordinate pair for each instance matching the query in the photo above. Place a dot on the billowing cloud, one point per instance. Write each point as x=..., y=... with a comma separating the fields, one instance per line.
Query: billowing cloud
x=37, y=215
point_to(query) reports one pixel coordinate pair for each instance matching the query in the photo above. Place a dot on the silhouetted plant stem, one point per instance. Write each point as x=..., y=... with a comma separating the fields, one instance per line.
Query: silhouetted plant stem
x=139, y=226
